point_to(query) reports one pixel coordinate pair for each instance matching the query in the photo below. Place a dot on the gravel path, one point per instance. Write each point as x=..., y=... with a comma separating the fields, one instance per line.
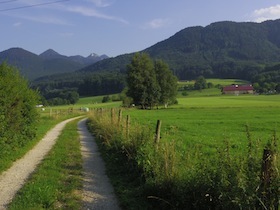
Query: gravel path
x=98, y=193
x=14, y=178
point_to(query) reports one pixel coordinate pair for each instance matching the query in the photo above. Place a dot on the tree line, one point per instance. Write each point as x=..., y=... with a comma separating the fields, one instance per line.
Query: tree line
x=67, y=88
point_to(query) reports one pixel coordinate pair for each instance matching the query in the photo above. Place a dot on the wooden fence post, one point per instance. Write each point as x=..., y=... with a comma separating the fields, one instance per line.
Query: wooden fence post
x=268, y=195
x=127, y=125
x=112, y=116
x=120, y=117
x=157, y=137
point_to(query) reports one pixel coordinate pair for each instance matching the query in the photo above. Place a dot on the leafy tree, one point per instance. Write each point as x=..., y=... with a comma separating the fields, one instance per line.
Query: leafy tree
x=18, y=115
x=200, y=83
x=142, y=81
x=150, y=83
x=167, y=82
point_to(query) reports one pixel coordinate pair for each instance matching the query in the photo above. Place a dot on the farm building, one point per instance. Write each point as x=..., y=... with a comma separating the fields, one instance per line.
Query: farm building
x=238, y=89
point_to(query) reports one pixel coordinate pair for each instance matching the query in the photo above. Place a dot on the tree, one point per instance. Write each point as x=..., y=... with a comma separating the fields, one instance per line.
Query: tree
x=150, y=83
x=200, y=83
x=141, y=81
x=18, y=114
x=167, y=82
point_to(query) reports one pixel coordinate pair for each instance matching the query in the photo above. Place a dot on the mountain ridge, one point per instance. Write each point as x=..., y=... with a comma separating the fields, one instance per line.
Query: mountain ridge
x=220, y=49
x=49, y=62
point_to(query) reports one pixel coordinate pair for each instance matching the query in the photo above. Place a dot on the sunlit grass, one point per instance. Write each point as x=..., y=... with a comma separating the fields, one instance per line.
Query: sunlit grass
x=208, y=121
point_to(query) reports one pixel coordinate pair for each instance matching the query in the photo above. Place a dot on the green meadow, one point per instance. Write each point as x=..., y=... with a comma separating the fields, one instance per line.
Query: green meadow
x=209, y=154
x=207, y=122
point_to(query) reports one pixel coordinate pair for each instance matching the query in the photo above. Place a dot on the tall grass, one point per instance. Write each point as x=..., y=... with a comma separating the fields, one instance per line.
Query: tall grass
x=159, y=177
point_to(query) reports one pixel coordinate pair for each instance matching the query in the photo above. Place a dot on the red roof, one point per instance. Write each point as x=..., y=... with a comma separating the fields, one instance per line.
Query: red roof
x=238, y=88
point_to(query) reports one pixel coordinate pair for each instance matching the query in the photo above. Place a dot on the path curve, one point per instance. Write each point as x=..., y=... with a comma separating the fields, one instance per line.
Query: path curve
x=15, y=177
x=98, y=193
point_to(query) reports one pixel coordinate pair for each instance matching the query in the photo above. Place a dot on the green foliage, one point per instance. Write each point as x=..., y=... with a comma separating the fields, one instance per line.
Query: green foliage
x=141, y=81
x=61, y=97
x=200, y=83
x=150, y=83
x=268, y=81
x=79, y=84
x=167, y=82
x=106, y=99
x=17, y=110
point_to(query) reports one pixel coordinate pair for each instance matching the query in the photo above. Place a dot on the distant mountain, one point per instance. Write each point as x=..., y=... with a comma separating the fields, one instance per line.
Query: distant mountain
x=222, y=49
x=49, y=62
x=51, y=54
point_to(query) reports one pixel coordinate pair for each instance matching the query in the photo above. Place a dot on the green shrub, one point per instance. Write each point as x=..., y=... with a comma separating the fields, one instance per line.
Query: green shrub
x=18, y=115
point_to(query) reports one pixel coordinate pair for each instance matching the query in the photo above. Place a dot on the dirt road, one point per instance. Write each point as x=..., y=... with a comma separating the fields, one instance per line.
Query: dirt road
x=98, y=192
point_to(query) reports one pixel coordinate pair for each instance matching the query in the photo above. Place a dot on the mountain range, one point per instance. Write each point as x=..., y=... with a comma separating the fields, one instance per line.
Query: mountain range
x=223, y=49
x=49, y=62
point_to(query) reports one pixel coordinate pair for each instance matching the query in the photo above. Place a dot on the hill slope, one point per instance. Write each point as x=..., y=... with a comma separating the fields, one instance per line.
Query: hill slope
x=222, y=49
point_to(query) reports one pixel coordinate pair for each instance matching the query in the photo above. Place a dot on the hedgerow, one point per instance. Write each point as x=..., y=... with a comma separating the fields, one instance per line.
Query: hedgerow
x=18, y=115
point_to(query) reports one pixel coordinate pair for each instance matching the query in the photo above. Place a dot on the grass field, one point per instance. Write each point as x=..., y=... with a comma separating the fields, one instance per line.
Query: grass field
x=207, y=122
x=210, y=153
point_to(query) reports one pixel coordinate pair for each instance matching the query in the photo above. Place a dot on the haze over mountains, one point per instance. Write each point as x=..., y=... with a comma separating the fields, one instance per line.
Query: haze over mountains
x=49, y=62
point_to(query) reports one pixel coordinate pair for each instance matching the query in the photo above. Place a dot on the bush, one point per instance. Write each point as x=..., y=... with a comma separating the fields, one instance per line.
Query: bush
x=18, y=115
x=106, y=99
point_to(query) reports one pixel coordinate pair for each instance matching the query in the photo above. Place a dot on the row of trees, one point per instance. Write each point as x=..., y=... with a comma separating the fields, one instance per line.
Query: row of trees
x=268, y=81
x=150, y=82
x=66, y=89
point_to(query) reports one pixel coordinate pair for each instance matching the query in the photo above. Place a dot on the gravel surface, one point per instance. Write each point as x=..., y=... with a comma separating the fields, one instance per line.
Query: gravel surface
x=98, y=193
x=14, y=178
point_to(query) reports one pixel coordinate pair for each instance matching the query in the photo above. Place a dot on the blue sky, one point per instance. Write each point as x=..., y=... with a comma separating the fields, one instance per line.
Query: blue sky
x=114, y=27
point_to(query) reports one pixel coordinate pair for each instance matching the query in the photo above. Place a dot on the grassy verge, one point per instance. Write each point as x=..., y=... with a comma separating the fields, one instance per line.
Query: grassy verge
x=201, y=161
x=45, y=124
x=56, y=183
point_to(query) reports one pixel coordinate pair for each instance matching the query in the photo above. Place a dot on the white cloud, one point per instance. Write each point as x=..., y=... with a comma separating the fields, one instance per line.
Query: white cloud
x=157, y=23
x=44, y=19
x=17, y=24
x=94, y=13
x=100, y=3
x=269, y=13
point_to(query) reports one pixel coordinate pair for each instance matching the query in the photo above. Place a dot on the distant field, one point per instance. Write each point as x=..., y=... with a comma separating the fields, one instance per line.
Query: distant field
x=216, y=81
